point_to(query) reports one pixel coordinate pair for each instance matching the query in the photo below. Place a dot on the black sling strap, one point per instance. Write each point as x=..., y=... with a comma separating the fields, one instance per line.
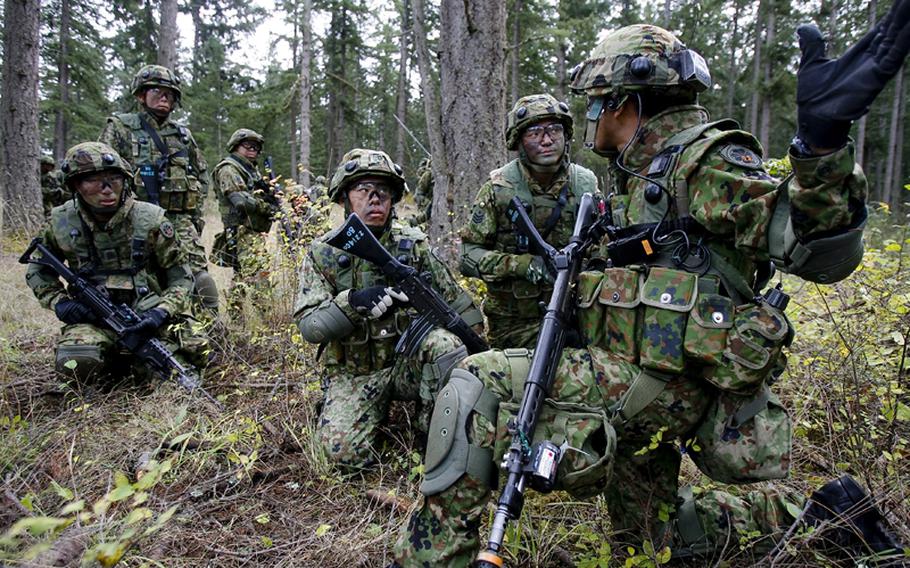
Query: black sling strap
x=153, y=178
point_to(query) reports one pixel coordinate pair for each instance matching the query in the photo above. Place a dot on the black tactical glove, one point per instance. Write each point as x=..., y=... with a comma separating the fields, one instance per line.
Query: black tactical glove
x=832, y=93
x=71, y=311
x=147, y=325
x=375, y=301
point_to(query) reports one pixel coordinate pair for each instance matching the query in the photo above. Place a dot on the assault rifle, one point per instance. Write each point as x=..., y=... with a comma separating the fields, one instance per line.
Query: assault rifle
x=355, y=237
x=527, y=465
x=117, y=318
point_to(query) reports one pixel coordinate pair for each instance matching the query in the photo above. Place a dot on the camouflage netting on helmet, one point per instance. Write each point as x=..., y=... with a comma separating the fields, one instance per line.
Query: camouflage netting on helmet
x=155, y=76
x=534, y=108
x=360, y=163
x=242, y=134
x=90, y=157
x=639, y=58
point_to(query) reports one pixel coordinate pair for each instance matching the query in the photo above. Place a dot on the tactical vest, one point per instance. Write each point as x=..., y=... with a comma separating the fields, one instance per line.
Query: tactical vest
x=230, y=216
x=511, y=296
x=118, y=259
x=179, y=192
x=371, y=345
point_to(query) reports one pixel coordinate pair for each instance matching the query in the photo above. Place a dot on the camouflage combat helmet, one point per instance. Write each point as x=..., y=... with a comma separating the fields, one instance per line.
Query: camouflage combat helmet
x=360, y=163
x=90, y=157
x=534, y=108
x=637, y=58
x=47, y=161
x=155, y=76
x=242, y=134
x=320, y=180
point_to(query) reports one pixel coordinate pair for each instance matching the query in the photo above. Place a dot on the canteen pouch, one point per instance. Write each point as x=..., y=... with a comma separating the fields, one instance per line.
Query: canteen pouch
x=585, y=436
x=743, y=439
x=753, y=350
x=590, y=311
x=709, y=323
x=668, y=296
x=620, y=296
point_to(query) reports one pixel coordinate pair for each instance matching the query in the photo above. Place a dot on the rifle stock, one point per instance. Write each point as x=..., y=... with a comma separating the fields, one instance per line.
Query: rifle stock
x=355, y=237
x=117, y=318
x=547, y=351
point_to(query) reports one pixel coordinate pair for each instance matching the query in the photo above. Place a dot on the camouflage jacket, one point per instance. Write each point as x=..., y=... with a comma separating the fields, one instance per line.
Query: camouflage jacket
x=490, y=247
x=135, y=256
x=53, y=191
x=729, y=192
x=328, y=276
x=233, y=179
x=186, y=180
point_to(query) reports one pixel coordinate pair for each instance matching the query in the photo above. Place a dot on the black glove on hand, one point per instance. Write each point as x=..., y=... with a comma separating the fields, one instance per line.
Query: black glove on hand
x=148, y=324
x=375, y=301
x=832, y=93
x=73, y=311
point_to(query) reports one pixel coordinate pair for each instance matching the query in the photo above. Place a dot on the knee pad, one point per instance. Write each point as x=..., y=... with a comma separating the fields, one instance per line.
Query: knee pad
x=206, y=289
x=443, y=365
x=449, y=453
x=88, y=360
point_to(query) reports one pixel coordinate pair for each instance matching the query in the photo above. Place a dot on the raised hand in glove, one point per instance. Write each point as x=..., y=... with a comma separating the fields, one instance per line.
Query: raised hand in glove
x=71, y=311
x=538, y=272
x=832, y=93
x=147, y=325
x=375, y=301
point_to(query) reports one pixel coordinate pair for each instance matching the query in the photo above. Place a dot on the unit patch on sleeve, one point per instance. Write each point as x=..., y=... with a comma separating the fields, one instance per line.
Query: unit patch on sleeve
x=167, y=229
x=478, y=216
x=741, y=156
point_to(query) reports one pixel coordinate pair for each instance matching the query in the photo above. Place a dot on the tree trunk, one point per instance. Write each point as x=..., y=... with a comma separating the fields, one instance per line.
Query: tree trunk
x=861, y=125
x=440, y=163
x=472, y=42
x=401, y=108
x=561, y=76
x=892, y=181
x=61, y=124
x=20, y=186
x=515, y=52
x=168, y=34
x=756, y=69
x=732, y=70
x=668, y=10
x=306, y=52
x=295, y=107
x=764, y=136
x=339, y=92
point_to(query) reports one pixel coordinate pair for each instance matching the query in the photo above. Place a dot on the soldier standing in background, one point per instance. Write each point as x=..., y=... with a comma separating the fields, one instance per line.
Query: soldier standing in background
x=346, y=305
x=53, y=191
x=539, y=127
x=247, y=208
x=170, y=170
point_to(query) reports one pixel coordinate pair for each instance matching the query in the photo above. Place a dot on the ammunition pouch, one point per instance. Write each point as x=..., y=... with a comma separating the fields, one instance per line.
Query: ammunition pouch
x=674, y=322
x=449, y=452
x=744, y=439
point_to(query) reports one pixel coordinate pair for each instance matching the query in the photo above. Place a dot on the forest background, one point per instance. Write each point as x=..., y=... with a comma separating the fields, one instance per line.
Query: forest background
x=151, y=478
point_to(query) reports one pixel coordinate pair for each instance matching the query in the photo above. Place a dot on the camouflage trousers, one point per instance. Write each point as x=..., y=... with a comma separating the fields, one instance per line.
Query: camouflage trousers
x=190, y=240
x=356, y=406
x=642, y=489
x=85, y=351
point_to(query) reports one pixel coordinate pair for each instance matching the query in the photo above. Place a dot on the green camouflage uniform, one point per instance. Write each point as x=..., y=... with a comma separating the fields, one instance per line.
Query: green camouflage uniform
x=108, y=256
x=423, y=193
x=491, y=249
x=186, y=184
x=53, y=191
x=634, y=322
x=363, y=375
x=247, y=217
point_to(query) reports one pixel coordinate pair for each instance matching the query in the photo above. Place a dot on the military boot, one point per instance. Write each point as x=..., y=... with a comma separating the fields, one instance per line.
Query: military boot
x=855, y=520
